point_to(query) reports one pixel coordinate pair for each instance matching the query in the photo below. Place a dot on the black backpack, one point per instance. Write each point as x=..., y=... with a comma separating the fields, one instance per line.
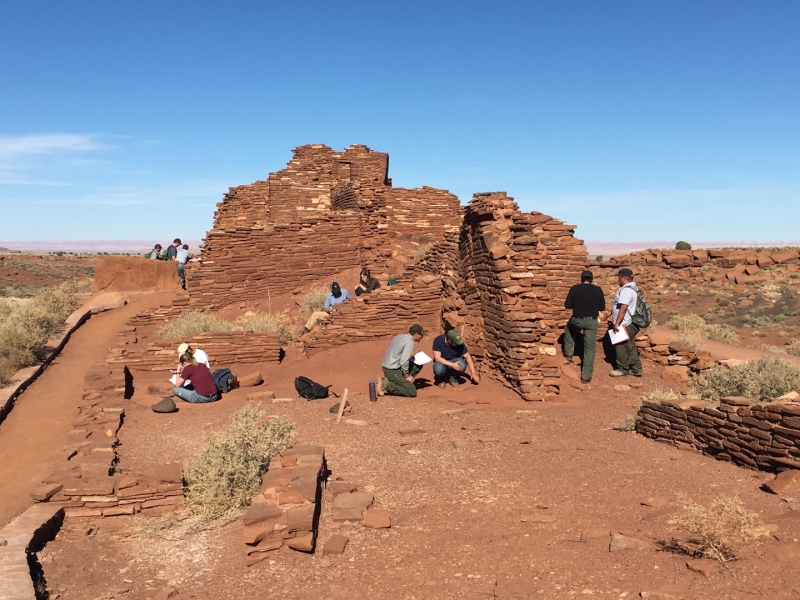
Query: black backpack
x=643, y=315
x=310, y=390
x=225, y=380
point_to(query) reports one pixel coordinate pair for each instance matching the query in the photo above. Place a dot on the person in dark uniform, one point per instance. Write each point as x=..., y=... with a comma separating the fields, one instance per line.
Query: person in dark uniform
x=586, y=301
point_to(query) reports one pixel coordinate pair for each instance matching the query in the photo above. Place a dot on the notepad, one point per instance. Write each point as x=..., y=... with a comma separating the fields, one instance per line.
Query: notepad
x=420, y=358
x=619, y=337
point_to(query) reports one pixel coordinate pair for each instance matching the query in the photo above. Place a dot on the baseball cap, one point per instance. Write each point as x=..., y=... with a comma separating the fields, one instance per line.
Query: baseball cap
x=625, y=272
x=416, y=329
x=455, y=337
x=183, y=348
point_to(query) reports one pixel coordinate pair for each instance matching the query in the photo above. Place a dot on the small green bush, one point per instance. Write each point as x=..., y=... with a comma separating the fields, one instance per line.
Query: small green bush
x=697, y=328
x=683, y=246
x=759, y=380
x=227, y=473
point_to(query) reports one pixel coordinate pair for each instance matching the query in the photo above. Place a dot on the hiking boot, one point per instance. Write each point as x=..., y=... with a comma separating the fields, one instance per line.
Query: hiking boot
x=618, y=373
x=382, y=383
x=636, y=374
x=568, y=358
x=167, y=405
x=585, y=381
x=441, y=384
x=455, y=383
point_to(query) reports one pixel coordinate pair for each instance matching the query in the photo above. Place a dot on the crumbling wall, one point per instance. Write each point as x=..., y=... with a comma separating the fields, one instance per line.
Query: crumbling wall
x=135, y=274
x=324, y=213
x=506, y=289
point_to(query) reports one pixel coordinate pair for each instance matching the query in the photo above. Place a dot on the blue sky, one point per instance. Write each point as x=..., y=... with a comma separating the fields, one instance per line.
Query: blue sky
x=634, y=120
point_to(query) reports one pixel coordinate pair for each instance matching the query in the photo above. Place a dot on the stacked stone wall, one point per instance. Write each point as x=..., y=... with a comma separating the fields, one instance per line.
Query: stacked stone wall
x=764, y=436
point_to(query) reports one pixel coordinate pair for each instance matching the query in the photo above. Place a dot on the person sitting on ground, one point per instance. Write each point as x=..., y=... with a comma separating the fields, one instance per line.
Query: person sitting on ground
x=628, y=361
x=155, y=253
x=586, y=301
x=451, y=359
x=336, y=296
x=398, y=365
x=183, y=255
x=172, y=251
x=203, y=387
x=200, y=356
x=367, y=283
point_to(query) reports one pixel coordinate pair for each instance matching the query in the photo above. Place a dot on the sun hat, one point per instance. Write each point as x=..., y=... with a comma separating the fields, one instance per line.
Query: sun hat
x=183, y=348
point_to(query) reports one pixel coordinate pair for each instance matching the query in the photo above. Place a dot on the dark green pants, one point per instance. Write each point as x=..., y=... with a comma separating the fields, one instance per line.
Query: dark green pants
x=571, y=333
x=628, y=359
x=399, y=385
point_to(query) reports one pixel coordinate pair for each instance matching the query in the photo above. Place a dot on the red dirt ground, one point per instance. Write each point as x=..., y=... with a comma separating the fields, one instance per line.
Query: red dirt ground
x=28, y=271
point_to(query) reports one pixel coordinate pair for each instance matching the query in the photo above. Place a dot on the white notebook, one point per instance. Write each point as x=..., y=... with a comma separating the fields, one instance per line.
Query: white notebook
x=420, y=358
x=619, y=337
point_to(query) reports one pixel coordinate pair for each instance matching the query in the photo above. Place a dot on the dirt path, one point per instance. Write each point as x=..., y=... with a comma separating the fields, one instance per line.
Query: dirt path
x=32, y=436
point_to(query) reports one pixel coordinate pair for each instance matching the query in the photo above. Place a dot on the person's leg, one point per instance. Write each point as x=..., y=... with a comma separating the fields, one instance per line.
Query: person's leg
x=569, y=341
x=634, y=362
x=181, y=274
x=316, y=316
x=359, y=290
x=439, y=373
x=589, y=327
x=397, y=385
x=187, y=395
x=454, y=375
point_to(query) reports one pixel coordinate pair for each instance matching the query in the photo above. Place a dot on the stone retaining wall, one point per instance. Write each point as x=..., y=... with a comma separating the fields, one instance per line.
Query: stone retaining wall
x=764, y=436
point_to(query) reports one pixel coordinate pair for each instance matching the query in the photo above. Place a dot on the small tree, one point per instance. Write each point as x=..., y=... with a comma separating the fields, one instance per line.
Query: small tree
x=599, y=258
x=683, y=246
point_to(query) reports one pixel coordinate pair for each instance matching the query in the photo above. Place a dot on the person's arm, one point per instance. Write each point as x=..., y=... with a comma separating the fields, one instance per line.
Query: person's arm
x=179, y=380
x=328, y=304
x=620, y=316
x=405, y=355
x=471, y=366
x=601, y=300
x=568, y=302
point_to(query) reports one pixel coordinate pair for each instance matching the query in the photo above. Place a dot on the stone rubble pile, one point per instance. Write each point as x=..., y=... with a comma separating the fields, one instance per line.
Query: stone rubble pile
x=764, y=436
x=223, y=349
x=680, y=361
x=720, y=257
x=84, y=483
x=285, y=512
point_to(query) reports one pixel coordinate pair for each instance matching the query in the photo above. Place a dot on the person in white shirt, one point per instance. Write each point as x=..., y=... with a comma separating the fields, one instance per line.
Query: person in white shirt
x=628, y=361
x=200, y=356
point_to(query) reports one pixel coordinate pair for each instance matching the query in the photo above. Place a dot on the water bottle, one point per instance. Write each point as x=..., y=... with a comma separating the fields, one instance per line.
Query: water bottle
x=373, y=394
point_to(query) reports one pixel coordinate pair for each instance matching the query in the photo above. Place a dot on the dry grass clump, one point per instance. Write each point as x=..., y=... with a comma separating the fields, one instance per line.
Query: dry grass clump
x=267, y=323
x=696, y=327
x=626, y=423
x=722, y=531
x=227, y=473
x=759, y=380
x=422, y=251
x=313, y=300
x=793, y=347
x=193, y=322
x=27, y=324
x=658, y=395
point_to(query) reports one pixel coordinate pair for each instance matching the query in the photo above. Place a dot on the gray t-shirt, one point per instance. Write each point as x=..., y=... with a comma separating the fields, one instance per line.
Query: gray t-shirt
x=400, y=351
x=625, y=295
x=183, y=256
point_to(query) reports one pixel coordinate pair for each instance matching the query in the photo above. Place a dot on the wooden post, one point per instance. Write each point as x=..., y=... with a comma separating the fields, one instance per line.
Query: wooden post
x=341, y=405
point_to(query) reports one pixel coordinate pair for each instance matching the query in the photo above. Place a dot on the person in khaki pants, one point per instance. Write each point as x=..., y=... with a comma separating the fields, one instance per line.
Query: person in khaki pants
x=586, y=301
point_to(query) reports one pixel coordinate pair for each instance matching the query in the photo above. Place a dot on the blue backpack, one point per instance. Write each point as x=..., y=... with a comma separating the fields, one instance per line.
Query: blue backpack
x=225, y=380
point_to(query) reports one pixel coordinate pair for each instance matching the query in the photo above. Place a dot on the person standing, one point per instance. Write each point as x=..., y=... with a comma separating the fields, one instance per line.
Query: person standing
x=182, y=256
x=398, y=365
x=172, y=251
x=628, y=361
x=586, y=301
x=451, y=359
x=155, y=253
x=336, y=296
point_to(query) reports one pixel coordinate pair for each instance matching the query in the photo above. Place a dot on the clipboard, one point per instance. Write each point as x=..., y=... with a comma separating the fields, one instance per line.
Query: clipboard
x=618, y=338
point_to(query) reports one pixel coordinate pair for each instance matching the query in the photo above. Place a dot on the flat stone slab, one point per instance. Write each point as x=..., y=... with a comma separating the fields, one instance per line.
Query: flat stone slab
x=335, y=544
x=377, y=518
x=360, y=500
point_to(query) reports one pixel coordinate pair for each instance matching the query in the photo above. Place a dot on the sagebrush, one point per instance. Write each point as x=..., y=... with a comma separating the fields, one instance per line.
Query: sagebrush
x=723, y=530
x=267, y=323
x=760, y=380
x=26, y=325
x=422, y=251
x=793, y=347
x=626, y=423
x=192, y=322
x=227, y=473
x=695, y=327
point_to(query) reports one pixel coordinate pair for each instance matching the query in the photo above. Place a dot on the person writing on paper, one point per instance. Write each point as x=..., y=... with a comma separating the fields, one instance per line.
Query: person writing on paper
x=451, y=359
x=203, y=387
x=200, y=356
x=336, y=296
x=586, y=301
x=628, y=361
x=399, y=368
x=366, y=283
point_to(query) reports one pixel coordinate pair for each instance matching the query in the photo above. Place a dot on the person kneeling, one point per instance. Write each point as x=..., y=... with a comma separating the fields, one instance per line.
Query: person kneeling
x=451, y=359
x=398, y=364
x=205, y=390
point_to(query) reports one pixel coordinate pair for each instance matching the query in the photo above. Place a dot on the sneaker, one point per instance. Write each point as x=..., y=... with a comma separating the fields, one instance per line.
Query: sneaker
x=441, y=384
x=455, y=383
x=636, y=374
x=585, y=381
x=618, y=373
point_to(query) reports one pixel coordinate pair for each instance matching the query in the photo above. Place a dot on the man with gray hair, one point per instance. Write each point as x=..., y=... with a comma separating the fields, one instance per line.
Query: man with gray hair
x=586, y=301
x=628, y=361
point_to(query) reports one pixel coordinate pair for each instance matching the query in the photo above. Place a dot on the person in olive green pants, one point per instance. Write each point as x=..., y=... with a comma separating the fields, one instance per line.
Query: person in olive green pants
x=586, y=301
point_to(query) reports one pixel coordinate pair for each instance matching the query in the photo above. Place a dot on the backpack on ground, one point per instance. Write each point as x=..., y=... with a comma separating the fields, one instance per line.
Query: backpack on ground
x=310, y=390
x=225, y=380
x=643, y=315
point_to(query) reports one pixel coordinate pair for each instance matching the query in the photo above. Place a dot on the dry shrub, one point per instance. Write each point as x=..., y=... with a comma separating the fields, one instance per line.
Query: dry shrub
x=695, y=327
x=267, y=323
x=422, y=251
x=626, y=423
x=659, y=394
x=227, y=473
x=27, y=324
x=312, y=301
x=793, y=347
x=759, y=380
x=192, y=322
x=723, y=530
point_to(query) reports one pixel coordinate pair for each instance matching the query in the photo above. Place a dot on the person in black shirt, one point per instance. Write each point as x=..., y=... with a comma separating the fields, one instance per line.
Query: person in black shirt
x=586, y=301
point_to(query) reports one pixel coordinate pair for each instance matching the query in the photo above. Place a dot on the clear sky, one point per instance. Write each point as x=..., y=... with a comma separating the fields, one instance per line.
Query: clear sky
x=634, y=120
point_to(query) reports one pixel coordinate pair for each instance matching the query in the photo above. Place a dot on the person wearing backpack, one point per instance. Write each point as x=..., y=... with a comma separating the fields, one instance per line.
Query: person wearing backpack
x=587, y=302
x=204, y=389
x=622, y=313
x=155, y=253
